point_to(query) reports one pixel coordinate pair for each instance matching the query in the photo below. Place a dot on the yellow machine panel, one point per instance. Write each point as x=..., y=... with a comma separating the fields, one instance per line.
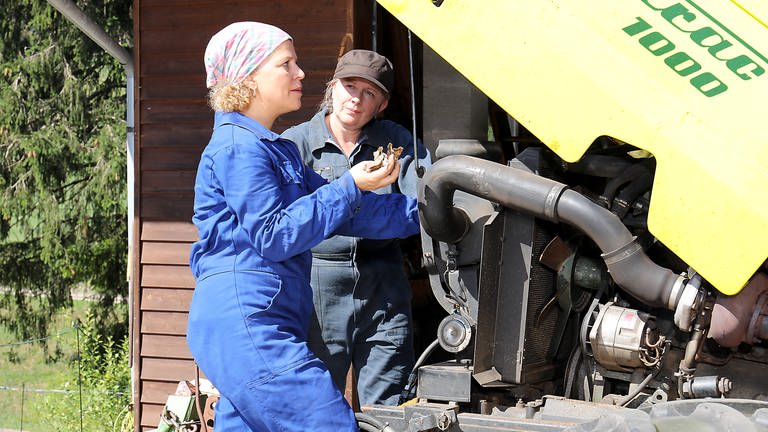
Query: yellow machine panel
x=685, y=80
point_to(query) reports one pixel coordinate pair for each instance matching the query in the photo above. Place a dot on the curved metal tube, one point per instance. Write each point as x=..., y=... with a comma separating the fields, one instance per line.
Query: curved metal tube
x=547, y=199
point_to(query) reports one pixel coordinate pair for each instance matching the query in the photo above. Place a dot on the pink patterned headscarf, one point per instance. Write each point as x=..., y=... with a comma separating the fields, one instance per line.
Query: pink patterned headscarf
x=238, y=49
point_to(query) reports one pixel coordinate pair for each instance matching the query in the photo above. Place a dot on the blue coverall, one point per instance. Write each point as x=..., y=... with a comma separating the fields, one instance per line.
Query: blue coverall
x=259, y=211
x=362, y=295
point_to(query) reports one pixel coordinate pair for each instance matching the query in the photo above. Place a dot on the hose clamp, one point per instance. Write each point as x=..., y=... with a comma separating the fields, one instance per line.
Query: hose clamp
x=687, y=307
x=623, y=252
x=676, y=292
x=550, y=203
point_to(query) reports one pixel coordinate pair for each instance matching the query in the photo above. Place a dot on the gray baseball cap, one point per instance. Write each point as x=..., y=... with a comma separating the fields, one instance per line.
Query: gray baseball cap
x=368, y=65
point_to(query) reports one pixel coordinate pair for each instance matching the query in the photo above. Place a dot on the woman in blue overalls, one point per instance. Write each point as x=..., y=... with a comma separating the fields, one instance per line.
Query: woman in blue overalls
x=259, y=211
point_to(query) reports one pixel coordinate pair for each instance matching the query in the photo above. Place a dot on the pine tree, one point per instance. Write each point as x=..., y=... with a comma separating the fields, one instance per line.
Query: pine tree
x=63, y=201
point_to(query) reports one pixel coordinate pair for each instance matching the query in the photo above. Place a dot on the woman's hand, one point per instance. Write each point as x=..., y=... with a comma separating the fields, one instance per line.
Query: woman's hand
x=383, y=176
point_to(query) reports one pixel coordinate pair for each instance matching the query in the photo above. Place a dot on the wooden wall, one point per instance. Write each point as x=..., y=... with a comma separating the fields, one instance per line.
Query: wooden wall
x=173, y=124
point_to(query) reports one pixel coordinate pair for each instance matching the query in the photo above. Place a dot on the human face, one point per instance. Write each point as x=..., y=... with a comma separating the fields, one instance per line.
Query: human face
x=356, y=101
x=278, y=84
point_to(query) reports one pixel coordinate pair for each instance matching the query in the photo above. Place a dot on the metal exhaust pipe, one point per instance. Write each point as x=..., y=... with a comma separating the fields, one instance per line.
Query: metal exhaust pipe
x=547, y=199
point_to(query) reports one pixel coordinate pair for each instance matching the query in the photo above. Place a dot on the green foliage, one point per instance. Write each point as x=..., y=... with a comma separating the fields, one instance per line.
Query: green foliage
x=63, y=201
x=33, y=374
x=104, y=385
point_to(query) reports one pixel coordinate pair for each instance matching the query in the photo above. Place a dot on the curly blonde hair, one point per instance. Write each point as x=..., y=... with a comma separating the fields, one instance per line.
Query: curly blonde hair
x=230, y=97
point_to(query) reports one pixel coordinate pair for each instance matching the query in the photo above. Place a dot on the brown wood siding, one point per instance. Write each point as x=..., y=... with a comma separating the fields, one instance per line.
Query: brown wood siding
x=173, y=124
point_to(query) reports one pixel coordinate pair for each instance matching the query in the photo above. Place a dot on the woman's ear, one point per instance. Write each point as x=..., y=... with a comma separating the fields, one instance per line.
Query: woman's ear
x=383, y=105
x=252, y=83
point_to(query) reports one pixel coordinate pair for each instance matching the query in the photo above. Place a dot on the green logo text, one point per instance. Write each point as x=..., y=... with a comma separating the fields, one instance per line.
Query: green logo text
x=713, y=38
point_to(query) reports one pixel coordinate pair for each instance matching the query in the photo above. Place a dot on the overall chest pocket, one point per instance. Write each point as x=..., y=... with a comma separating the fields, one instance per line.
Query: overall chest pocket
x=331, y=172
x=289, y=173
x=292, y=180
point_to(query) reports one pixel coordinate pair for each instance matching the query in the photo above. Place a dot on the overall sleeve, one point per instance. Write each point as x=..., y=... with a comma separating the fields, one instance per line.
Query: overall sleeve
x=267, y=196
x=384, y=216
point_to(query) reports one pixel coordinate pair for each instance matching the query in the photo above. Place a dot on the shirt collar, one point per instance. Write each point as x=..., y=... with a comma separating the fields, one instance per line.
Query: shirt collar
x=239, y=119
x=321, y=135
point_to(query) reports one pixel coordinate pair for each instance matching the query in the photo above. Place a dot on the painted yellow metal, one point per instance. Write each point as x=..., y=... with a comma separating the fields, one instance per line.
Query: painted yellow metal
x=685, y=80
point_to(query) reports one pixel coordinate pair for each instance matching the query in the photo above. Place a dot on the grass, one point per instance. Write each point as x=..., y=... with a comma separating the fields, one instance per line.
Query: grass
x=26, y=365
